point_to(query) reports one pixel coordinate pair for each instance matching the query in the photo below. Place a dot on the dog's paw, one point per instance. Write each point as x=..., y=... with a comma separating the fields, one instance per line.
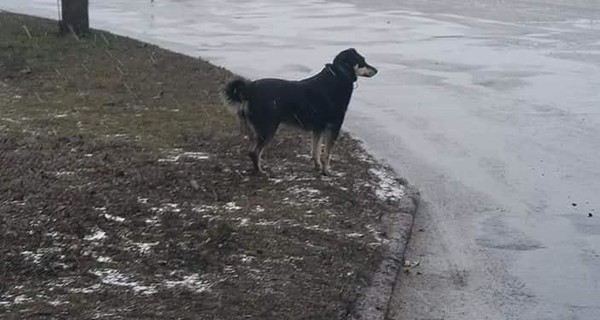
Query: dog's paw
x=327, y=172
x=260, y=173
x=318, y=167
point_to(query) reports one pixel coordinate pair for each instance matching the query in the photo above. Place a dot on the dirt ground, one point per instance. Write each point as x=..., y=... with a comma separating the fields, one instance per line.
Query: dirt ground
x=124, y=193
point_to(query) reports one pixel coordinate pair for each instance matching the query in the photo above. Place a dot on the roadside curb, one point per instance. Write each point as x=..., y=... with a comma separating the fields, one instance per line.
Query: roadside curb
x=374, y=303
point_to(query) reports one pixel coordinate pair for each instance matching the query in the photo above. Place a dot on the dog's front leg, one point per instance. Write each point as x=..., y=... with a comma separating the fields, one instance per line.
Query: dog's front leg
x=329, y=144
x=316, y=149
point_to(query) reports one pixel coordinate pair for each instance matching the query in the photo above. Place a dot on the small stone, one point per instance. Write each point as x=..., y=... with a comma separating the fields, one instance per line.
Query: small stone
x=574, y=204
x=590, y=215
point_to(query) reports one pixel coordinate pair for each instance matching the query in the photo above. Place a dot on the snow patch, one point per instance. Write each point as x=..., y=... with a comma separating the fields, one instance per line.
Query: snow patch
x=154, y=221
x=102, y=259
x=167, y=207
x=205, y=208
x=56, y=303
x=388, y=188
x=245, y=258
x=190, y=155
x=302, y=196
x=114, y=218
x=53, y=234
x=90, y=289
x=34, y=257
x=145, y=247
x=231, y=206
x=376, y=234
x=20, y=299
x=191, y=282
x=114, y=278
x=16, y=203
x=355, y=235
x=116, y=135
x=96, y=236
x=304, y=191
x=316, y=228
x=63, y=173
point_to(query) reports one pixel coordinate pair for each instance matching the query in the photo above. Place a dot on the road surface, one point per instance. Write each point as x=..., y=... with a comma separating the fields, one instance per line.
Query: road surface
x=492, y=108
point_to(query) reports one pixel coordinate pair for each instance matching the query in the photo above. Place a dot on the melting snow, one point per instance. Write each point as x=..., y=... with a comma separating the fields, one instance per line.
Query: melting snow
x=64, y=173
x=114, y=278
x=57, y=303
x=114, y=218
x=231, y=206
x=16, y=203
x=355, y=235
x=167, y=207
x=104, y=259
x=245, y=258
x=145, y=247
x=190, y=155
x=192, y=282
x=32, y=256
x=388, y=188
x=153, y=221
x=89, y=289
x=16, y=300
x=97, y=236
x=308, y=191
x=317, y=228
x=376, y=234
x=205, y=208
x=53, y=234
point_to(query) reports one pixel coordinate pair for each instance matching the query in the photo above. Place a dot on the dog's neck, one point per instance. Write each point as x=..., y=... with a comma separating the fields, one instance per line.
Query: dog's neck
x=343, y=72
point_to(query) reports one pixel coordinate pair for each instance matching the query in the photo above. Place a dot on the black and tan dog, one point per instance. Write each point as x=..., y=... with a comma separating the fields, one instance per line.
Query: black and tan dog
x=317, y=104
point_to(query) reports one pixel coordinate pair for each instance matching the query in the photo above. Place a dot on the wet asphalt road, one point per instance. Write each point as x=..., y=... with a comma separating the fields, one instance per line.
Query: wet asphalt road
x=492, y=108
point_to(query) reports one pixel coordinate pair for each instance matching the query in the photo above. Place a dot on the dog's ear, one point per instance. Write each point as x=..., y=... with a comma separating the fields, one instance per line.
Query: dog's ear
x=350, y=51
x=345, y=57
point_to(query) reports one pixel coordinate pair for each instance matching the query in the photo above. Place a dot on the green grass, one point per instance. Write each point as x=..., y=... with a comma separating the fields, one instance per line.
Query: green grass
x=103, y=85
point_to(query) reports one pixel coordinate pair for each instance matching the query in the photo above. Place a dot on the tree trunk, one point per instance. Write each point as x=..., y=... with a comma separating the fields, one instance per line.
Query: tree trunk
x=75, y=17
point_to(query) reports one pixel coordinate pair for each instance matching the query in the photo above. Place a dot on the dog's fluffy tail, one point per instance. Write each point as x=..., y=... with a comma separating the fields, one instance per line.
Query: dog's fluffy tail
x=232, y=95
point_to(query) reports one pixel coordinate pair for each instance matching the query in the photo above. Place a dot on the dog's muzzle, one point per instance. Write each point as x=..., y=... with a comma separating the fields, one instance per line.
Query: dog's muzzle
x=366, y=71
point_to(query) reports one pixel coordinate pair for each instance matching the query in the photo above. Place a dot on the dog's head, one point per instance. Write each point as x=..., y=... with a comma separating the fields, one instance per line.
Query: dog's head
x=350, y=57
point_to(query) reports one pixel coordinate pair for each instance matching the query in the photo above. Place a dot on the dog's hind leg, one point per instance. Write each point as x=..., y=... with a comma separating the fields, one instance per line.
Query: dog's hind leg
x=245, y=125
x=262, y=139
x=317, y=138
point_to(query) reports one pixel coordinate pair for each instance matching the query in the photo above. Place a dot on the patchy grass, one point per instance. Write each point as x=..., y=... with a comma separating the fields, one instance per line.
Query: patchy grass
x=124, y=193
x=105, y=85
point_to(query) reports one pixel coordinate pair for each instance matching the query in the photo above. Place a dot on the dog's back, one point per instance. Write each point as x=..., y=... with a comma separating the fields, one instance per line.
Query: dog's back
x=309, y=104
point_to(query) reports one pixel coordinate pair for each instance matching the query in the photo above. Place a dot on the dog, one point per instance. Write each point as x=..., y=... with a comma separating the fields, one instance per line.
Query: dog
x=317, y=104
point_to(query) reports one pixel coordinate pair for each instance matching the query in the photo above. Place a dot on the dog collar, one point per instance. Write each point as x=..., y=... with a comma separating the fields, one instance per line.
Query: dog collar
x=340, y=72
x=328, y=67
